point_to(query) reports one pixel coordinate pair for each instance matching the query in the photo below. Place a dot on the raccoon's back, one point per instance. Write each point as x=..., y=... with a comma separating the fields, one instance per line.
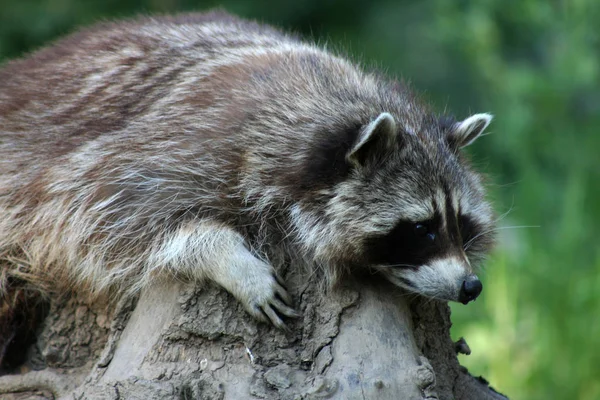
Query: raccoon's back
x=104, y=79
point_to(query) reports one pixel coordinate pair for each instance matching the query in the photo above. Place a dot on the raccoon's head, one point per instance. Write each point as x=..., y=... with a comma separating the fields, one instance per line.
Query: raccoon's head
x=410, y=207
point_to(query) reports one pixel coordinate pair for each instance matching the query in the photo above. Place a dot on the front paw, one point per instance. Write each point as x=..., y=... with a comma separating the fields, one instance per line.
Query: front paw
x=268, y=300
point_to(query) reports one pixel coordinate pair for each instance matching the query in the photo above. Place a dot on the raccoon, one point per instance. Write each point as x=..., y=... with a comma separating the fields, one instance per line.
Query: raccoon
x=203, y=145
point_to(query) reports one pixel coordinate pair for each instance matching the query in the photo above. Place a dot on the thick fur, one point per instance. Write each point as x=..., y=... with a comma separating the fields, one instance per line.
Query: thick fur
x=206, y=146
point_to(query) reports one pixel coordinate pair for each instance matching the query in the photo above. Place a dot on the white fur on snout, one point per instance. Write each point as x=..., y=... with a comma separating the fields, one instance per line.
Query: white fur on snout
x=440, y=279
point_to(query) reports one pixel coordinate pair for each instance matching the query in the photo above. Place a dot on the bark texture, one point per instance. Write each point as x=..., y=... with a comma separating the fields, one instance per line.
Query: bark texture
x=180, y=341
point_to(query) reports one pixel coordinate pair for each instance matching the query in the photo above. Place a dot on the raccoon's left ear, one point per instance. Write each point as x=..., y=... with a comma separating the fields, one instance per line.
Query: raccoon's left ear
x=465, y=132
x=374, y=140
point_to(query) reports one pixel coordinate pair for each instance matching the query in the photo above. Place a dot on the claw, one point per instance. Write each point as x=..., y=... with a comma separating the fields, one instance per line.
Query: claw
x=273, y=317
x=279, y=279
x=284, y=309
x=281, y=292
x=259, y=314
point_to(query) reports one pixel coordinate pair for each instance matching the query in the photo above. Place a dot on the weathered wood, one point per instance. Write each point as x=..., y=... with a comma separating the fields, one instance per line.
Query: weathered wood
x=184, y=342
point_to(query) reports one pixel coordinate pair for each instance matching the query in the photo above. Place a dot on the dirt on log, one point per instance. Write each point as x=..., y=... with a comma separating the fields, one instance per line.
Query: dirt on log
x=181, y=341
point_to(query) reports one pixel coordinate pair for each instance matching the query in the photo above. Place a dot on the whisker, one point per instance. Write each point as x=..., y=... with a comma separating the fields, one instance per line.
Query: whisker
x=400, y=265
x=507, y=184
x=470, y=242
x=504, y=215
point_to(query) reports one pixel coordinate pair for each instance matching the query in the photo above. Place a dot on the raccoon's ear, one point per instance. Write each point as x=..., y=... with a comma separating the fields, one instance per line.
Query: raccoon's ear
x=374, y=139
x=465, y=132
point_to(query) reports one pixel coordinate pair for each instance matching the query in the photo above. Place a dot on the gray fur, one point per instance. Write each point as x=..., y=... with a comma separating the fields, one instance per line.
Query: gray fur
x=206, y=146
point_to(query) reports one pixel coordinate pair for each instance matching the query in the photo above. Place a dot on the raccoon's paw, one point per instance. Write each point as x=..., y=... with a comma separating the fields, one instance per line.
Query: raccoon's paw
x=268, y=301
x=271, y=303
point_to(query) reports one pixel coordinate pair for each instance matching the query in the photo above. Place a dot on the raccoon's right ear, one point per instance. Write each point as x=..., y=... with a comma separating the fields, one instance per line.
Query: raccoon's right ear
x=374, y=140
x=465, y=132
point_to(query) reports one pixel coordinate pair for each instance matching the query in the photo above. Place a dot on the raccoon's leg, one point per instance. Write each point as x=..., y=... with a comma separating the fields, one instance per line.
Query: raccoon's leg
x=207, y=250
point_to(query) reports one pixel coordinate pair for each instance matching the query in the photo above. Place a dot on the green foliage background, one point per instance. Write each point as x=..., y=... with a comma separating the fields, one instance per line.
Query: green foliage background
x=535, y=332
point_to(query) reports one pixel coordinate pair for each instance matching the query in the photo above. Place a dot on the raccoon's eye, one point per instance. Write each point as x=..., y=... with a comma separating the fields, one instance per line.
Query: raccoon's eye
x=422, y=231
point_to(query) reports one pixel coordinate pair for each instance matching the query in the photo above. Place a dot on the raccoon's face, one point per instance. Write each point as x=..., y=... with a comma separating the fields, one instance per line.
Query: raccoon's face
x=414, y=209
x=431, y=253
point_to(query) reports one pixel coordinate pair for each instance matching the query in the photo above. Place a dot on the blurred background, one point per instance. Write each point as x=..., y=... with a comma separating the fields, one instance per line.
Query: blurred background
x=535, y=331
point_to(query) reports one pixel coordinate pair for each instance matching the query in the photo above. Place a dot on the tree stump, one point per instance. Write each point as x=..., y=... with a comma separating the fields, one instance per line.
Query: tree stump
x=367, y=340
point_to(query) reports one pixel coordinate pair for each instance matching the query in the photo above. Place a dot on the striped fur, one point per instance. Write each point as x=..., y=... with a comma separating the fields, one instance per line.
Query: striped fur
x=206, y=146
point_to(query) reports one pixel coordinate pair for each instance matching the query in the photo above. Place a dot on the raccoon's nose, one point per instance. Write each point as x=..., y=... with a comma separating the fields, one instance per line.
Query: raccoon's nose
x=470, y=289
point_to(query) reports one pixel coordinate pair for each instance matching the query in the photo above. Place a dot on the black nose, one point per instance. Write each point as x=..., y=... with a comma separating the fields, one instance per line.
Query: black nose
x=470, y=289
